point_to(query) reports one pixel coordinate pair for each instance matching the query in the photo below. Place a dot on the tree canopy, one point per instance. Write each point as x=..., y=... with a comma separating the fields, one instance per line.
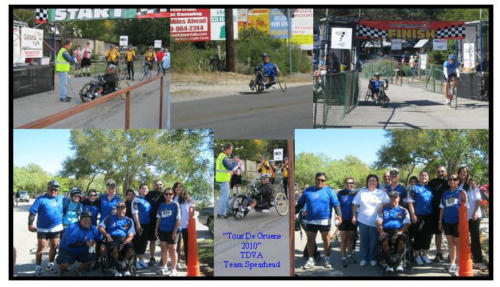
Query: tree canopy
x=253, y=149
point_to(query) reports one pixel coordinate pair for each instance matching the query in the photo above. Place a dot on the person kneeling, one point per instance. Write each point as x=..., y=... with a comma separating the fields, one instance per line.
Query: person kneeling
x=392, y=223
x=78, y=244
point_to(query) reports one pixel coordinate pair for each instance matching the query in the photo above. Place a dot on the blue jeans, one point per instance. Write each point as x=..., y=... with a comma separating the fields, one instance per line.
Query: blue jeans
x=368, y=237
x=225, y=198
x=63, y=80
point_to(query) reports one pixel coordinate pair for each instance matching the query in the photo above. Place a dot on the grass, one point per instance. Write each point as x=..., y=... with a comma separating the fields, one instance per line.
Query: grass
x=206, y=252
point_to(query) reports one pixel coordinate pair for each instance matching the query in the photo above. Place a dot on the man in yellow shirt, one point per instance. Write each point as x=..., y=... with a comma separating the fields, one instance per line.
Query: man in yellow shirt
x=113, y=56
x=130, y=55
x=284, y=171
x=264, y=167
x=149, y=57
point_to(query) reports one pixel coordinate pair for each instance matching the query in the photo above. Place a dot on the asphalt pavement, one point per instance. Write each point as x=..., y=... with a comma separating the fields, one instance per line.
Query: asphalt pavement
x=413, y=108
x=247, y=115
x=239, y=250
x=25, y=244
x=144, y=109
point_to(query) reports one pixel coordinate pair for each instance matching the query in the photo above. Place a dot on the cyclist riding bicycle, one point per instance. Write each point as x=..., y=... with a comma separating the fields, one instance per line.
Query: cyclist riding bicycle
x=270, y=71
x=149, y=57
x=113, y=56
x=451, y=72
x=374, y=86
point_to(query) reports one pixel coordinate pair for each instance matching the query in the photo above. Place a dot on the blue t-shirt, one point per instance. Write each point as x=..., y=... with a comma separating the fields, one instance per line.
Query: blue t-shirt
x=73, y=210
x=452, y=68
x=74, y=233
x=93, y=207
x=270, y=69
x=50, y=213
x=422, y=198
x=168, y=215
x=118, y=227
x=375, y=85
x=450, y=203
x=394, y=218
x=345, y=198
x=319, y=204
x=143, y=208
x=108, y=206
x=399, y=188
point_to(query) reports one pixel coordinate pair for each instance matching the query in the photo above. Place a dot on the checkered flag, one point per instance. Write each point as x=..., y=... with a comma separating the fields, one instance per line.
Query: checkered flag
x=363, y=31
x=41, y=16
x=453, y=31
x=152, y=13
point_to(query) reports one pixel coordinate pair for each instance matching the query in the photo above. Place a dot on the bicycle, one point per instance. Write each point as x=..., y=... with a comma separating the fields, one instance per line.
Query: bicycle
x=281, y=82
x=146, y=70
x=241, y=202
x=452, y=93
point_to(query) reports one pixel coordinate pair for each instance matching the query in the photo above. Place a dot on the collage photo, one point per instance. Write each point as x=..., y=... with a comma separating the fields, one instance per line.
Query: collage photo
x=289, y=143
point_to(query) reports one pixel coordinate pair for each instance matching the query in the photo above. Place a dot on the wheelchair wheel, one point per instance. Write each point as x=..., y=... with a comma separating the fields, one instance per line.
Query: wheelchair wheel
x=87, y=92
x=281, y=203
x=282, y=83
x=237, y=203
x=368, y=95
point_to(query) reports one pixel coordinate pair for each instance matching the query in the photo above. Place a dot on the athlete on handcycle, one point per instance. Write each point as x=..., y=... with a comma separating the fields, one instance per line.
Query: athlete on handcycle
x=377, y=87
x=393, y=222
x=118, y=231
x=451, y=71
x=265, y=74
x=262, y=201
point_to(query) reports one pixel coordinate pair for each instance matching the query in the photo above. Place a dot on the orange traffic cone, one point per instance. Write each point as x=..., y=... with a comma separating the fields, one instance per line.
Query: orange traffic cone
x=464, y=259
x=193, y=268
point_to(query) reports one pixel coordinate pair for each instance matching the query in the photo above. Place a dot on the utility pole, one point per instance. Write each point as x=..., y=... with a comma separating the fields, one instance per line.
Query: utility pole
x=289, y=18
x=229, y=40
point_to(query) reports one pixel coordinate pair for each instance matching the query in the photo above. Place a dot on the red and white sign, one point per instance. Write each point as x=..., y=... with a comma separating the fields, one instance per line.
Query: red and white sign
x=190, y=25
x=31, y=43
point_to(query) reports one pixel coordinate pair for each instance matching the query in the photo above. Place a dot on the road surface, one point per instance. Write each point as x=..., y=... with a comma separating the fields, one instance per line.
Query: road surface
x=413, y=107
x=25, y=243
x=272, y=250
x=270, y=115
x=144, y=109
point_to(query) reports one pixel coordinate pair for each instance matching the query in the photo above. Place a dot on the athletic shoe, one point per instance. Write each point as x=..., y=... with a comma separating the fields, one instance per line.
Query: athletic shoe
x=418, y=260
x=163, y=271
x=51, y=268
x=327, y=263
x=400, y=268
x=65, y=100
x=179, y=265
x=138, y=265
x=373, y=262
x=271, y=203
x=344, y=262
x=127, y=273
x=452, y=268
x=173, y=273
x=265, y=210
x=117, y=274
x=362, y=263
x=438, y=258
x=447, y=101
x=143, y=263
x=152, y=261
x=389, y=269
x=309, y=263
x=426, y=259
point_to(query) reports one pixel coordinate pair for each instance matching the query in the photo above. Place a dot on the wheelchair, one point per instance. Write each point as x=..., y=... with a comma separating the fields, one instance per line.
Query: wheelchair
x=394, y=259
x=122, y=264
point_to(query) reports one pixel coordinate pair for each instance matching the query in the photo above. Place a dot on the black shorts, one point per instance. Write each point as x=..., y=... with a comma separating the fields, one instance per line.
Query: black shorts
x=48, y=235
x=235, y=180
x=166, y=236
x=435, y=225
x=347, y=225
x=315, y=228
x=450, y=229
x=70, y=258
x=451, y=77
x=85, y=62
x=149, y=231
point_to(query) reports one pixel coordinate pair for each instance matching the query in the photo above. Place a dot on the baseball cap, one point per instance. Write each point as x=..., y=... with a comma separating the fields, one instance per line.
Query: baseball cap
x=394, y=172
x=111, y=182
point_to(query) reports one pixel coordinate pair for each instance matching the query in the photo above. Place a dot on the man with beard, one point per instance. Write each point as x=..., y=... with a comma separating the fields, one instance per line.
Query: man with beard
x=155, y=198
x=438, y=185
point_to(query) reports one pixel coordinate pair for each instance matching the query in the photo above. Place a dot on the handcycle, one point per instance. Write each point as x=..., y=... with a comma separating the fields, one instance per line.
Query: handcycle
x=106, y=261
x=259, y=84
x=241, y=202
x=88, y=91
x=382, y=97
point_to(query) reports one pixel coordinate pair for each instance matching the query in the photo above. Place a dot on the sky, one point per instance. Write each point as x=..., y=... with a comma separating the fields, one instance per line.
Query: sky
x=338, y=143
x=47, y=148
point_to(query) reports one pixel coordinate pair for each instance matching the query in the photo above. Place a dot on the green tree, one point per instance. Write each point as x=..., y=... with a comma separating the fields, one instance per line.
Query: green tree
x=31, y=178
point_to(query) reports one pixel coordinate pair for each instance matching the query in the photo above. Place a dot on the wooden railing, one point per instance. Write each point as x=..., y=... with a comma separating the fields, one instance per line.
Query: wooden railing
x=59, y=116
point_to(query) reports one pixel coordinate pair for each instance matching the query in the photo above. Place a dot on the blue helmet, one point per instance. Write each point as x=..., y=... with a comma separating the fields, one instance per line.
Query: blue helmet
x=452, y=57
x=75, y=191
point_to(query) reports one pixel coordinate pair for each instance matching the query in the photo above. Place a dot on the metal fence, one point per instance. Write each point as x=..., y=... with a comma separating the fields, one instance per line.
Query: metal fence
x=334, y=96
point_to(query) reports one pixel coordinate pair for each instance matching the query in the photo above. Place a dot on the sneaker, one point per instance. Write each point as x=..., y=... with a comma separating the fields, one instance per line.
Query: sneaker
x=38, y=271
x=138, y=265
x=264, y=210
x=438, y=258
x=344, y=262
x=271, y=203
x=117, y=274
x=373, y=262
x=179, y=265
x=51, y=268
x=426, y=259
x=452, y=268
x=163, y=271
x=447, y=102
x=173, y=273
x=362, y=263
x=400, y=268
x=418, y=260
x=327, y=263
x=143, y=263
x=152, y=261
x=65, y=100
x=127, y=273
x=309, y=263
x=389, y=269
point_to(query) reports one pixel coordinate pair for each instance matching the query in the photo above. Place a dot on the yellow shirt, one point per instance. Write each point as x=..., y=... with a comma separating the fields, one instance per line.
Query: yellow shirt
x=130, y=55
x=150, y=55
x=113, y=54
x=262, y=169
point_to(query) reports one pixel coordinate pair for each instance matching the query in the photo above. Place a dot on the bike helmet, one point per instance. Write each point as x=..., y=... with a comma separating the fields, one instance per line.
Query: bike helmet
x=53, y=183
x=377, y=74
x=452, y=57
x=264, y=55
x=75, y=191
x=265, y=175
x=85, y=213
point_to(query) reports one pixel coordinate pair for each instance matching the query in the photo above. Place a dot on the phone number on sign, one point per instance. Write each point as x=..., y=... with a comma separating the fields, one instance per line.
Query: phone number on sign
x=195, y=28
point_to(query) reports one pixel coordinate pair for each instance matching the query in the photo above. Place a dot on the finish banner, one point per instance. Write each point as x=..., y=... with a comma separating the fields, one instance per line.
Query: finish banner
x=190, y=25
x=410, y=30
x=77, y=14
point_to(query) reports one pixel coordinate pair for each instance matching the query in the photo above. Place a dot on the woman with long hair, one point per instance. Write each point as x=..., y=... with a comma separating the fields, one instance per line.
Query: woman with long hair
x=184, y=201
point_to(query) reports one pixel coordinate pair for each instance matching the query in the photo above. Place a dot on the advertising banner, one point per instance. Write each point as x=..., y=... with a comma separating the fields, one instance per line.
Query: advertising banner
x=190, y=25
x=278, y=24
x=256, y=18
x=440, y=45
x=410, y=30
x=341, y=38
x=469, y=58
x=217, y=24
x=77, y=14
x=302, y=28
x=31, y=43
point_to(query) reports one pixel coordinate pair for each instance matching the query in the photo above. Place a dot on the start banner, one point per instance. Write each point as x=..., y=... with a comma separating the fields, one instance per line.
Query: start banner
x=410, y=30
x=81, y=14
x=190, y=25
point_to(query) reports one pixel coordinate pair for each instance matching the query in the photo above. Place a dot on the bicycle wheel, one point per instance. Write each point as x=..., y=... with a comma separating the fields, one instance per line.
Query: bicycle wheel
x=237, y=203
x=87, y=92
x=282, y=83
x=455, y=97
x=144, y=72
x=368, y=95
x=123, y=85
x=281, y=203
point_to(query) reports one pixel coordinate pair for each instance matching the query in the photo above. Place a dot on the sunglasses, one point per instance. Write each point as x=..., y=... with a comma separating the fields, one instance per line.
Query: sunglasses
x=320, y=180
x=120, y=207
x=157, y=184
x=349, y=183
x=441, y=171
x=453, y=179
x=53, y=189
x=168, y=193
x=92, y=195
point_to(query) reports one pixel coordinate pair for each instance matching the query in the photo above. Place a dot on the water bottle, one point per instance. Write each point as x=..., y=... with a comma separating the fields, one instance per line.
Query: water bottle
x=92, y=249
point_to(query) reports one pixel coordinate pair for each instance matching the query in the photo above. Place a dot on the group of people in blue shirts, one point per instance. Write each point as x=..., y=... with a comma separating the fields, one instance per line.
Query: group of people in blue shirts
x=69, y=225
x=391, y=220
